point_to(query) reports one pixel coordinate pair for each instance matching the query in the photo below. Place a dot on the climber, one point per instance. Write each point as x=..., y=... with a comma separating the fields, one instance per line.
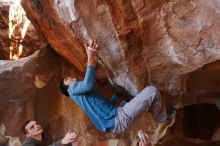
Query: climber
x=34, y=135
x=102, y=112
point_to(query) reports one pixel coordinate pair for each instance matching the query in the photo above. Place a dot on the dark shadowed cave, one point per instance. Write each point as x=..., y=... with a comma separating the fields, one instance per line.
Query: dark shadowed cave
x=200, y=121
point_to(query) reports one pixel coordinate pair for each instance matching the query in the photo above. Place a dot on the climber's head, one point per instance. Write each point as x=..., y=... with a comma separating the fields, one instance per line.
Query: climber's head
x=64, y=85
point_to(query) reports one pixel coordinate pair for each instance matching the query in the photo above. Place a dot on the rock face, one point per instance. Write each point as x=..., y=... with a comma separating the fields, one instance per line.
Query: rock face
x=173, y=45
x=141, y=42
x=31, y=41
x=16, y=93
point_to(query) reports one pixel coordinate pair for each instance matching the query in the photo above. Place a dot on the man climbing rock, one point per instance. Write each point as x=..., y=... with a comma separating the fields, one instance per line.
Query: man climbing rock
x=102, y=112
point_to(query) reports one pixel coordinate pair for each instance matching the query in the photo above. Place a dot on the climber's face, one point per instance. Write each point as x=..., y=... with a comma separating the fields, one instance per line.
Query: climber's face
x=68, y=80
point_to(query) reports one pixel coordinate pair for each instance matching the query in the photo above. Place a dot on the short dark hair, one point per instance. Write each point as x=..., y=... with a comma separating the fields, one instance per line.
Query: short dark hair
x=64, y=88
x=23, y=130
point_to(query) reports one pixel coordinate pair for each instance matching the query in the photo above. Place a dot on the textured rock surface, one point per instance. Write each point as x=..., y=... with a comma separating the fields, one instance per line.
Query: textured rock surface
x=171, y=44
x=141, y=42
x=203, y=85
x=17, y=93
x=31, y=41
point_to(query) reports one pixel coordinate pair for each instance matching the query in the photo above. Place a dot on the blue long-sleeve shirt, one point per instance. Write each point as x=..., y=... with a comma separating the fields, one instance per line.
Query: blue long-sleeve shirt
x=99, y=109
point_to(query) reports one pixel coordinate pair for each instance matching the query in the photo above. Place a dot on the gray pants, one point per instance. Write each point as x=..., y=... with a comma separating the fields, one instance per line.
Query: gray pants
x=148, y=100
